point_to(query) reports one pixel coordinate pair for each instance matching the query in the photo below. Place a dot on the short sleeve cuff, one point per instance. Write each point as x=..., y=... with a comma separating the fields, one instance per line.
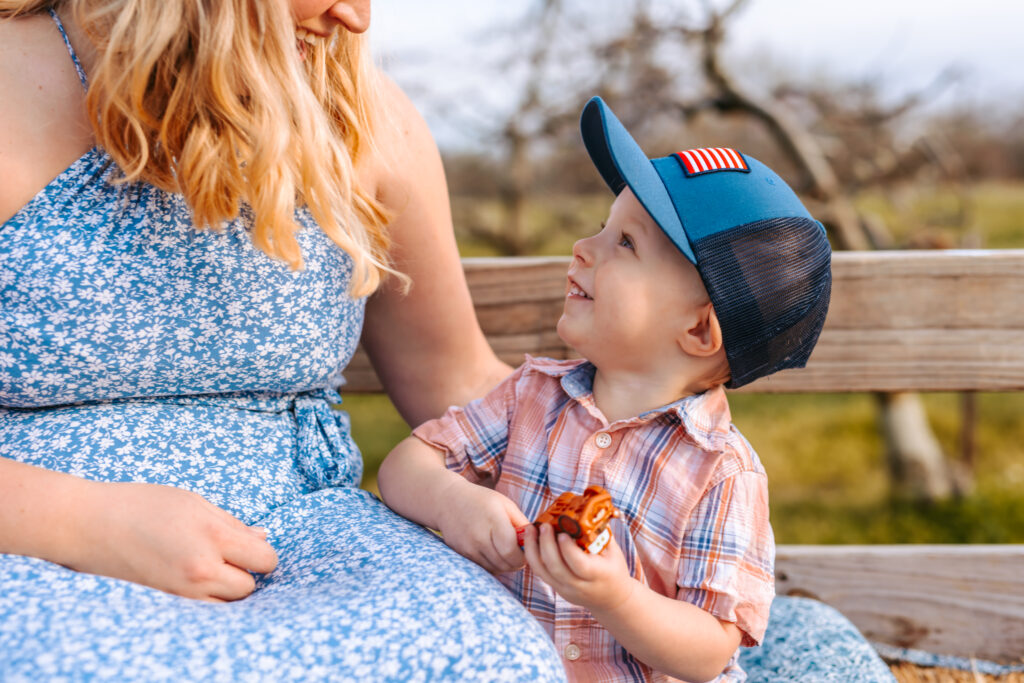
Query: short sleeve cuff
x=750, y=615
x=444, y=435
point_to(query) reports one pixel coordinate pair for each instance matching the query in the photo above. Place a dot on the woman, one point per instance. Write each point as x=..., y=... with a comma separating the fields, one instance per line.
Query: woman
x=165, y=391
x=166, y=429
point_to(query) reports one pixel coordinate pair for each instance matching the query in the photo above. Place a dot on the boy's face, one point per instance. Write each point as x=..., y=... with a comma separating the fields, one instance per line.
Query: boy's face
x=630, y=294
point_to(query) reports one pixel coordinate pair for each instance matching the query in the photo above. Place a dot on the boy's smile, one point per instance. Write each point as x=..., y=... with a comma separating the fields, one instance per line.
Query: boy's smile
x=628, y=293
x=576, y=291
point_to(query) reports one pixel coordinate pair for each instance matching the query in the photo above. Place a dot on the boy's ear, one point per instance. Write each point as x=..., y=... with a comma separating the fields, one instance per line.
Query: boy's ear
x=704, y=336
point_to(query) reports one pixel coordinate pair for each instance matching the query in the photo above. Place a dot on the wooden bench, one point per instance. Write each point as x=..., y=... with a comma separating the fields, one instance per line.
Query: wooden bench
x=899, y=321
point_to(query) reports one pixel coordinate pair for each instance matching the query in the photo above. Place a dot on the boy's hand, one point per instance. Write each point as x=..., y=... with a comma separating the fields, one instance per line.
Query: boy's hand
x=480, y=523
x=599, y=581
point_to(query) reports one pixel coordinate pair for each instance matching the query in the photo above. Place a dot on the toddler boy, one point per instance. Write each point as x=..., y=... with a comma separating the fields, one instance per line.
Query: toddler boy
x=708, y=271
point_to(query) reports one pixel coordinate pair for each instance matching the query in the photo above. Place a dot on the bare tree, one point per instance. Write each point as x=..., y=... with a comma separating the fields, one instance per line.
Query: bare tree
x=661, y=67
x=519, y=129
x=918, y=465
x=827, y=175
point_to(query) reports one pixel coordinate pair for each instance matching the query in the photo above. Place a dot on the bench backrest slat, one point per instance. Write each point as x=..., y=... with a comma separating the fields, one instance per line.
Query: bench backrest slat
x=899, y=321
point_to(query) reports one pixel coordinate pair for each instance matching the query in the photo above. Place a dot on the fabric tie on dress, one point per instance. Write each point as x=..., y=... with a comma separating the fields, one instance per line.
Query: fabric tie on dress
x=327, y=456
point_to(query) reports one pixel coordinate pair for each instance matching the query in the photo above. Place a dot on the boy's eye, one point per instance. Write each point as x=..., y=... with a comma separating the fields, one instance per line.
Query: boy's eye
x=626, y=241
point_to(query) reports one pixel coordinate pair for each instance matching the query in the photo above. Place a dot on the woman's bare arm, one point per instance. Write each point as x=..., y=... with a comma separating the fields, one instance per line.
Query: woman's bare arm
x=36, y=509
x=159, y=536
x=427, y=346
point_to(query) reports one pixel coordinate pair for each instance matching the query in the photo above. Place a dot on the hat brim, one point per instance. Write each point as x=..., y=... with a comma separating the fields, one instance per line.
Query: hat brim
x=621, y=163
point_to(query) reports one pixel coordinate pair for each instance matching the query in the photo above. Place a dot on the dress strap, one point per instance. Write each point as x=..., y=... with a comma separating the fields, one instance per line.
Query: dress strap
x=71, y=50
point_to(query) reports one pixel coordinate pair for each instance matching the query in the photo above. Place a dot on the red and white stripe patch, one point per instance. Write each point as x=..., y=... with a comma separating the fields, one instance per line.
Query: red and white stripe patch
x=707, y=159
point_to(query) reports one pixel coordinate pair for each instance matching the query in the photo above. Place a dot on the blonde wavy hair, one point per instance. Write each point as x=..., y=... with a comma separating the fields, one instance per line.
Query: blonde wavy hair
x=209, y=98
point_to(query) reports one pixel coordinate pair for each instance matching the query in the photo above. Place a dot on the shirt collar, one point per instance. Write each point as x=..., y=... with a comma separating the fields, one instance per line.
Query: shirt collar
x=704, y=416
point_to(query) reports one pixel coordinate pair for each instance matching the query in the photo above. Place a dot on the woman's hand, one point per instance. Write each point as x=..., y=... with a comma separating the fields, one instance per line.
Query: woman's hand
x=480, y=523
x=167, y=538
x=600, y=581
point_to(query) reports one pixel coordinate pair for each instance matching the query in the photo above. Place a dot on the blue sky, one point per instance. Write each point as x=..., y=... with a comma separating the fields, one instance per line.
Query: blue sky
x=905, y=42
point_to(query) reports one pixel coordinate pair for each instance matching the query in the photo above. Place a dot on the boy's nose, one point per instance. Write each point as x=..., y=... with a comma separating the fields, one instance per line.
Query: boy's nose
x=583, y=249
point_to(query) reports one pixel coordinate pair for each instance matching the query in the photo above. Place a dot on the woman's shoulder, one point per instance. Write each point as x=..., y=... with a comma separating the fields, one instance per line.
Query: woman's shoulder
x=36, y=72
x=42, y=111
x=18, y=33
x=398, y=119
x=24, y=72
x=403, y=145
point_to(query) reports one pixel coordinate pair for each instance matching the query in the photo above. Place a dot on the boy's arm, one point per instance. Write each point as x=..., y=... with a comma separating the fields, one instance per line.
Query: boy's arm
x=475, y=521
x=412, y=479
x=671, y=636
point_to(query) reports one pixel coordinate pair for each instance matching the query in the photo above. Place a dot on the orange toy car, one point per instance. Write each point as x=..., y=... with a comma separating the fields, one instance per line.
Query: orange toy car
x=585, y=518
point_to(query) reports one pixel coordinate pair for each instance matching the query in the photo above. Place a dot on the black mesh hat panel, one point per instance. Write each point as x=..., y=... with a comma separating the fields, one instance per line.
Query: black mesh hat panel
x=770, y=283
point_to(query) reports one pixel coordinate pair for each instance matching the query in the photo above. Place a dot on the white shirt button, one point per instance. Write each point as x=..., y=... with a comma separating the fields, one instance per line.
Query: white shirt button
x=604, y=440
x=572, y=652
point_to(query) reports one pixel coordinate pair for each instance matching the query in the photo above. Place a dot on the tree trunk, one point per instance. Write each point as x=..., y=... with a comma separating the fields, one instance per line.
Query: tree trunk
x=919, y=470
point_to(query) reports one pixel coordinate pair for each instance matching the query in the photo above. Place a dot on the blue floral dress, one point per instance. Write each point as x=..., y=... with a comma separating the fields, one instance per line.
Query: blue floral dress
x=136, y=348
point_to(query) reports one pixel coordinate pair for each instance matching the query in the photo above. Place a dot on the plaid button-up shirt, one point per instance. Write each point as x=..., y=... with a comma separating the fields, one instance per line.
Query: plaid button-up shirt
x=691, y=490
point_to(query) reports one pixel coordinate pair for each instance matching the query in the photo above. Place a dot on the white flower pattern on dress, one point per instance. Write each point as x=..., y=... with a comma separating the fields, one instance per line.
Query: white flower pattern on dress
x=134, y=347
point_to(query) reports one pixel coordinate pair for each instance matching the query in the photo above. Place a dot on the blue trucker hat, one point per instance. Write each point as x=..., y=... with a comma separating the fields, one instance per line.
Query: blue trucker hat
x=765, y=261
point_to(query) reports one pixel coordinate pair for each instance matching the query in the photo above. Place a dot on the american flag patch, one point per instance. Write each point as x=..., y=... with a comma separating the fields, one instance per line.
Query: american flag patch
x=710, y=159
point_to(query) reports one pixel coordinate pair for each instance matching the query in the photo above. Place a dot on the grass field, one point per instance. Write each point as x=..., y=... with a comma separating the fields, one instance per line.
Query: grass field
x=825, y=465
x=823, y=453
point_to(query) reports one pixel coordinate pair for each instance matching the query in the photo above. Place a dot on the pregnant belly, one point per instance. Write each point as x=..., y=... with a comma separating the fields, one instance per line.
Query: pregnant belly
x=246, y=453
